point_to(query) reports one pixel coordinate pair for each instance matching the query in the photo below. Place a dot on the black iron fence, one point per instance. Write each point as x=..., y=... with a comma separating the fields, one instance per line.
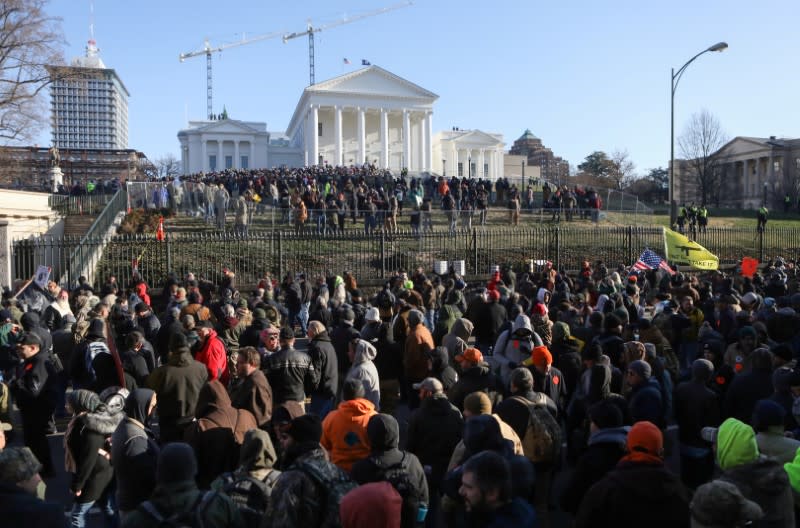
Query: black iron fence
x=374, y=256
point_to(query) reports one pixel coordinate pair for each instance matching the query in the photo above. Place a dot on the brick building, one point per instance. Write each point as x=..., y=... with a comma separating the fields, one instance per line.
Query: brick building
x=553, y=168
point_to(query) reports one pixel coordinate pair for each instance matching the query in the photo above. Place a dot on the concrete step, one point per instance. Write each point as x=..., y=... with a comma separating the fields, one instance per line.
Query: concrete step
x=78, y=225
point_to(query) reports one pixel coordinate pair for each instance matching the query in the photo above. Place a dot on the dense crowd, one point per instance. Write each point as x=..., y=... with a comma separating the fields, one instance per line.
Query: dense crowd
x=325, y=198
x=194, y=406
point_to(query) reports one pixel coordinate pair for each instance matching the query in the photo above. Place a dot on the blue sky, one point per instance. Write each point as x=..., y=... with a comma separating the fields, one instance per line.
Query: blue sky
x=581, y=75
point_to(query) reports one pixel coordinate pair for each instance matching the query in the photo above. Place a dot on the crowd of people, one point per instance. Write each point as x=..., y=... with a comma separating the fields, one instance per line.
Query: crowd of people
x=326, y=198
x=428, y=402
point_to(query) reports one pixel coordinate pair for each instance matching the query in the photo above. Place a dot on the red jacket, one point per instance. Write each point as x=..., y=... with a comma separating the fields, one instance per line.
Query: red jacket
x=212, y=355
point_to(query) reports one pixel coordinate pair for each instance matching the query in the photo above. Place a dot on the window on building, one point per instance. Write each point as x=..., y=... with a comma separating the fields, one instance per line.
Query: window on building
x=460, y=169
x=228, y=162
x=319, y=129
x=473, y=172
x=485, y=170
x=776, y=166
x=212, y=162
x=243, y=162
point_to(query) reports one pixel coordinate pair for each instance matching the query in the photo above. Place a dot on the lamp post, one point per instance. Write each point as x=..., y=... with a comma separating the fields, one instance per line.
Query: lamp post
x=675, y=79
x=766, y=186
x=523, y=174
x=469, y=167
x=444, y=168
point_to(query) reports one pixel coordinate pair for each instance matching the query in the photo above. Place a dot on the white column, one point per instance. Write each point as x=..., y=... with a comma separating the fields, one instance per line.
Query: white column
x=500, y=163
x=384, y=138
x=204, y=153
x=406, y=139
x=337, y=125
x=427, y=125
x=236, y=164
x=220, y=161
x=306, y=140
x=480, y=164
x=454, y=167
x=362, y=137
x=314, y=134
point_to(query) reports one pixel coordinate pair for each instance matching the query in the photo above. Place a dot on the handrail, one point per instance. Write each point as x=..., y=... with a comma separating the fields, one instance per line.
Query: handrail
x=80, y=254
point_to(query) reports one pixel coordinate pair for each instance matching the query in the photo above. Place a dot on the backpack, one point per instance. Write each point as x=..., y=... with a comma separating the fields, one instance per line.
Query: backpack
x=333, y=487
x=541, y=443
x=250, y=494
x=398, y=476
x=190, y=518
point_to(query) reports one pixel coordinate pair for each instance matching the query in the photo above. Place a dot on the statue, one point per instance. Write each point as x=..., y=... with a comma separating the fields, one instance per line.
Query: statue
x=55, y=157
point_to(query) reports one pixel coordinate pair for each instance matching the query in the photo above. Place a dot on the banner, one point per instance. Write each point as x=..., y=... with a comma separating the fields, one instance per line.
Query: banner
x=682, y=251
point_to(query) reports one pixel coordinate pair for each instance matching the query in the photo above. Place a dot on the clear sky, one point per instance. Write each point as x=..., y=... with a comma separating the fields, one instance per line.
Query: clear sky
x=582, y=75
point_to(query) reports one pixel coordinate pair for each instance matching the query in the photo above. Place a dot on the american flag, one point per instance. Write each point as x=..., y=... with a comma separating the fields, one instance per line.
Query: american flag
x=650, y=260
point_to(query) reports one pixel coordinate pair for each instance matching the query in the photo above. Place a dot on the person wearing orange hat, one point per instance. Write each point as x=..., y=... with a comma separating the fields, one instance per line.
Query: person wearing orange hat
x=640, y=490
x=547, y=378
x=475, y=376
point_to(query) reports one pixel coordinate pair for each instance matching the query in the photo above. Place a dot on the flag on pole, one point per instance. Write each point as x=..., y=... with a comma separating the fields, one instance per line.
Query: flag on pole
x=365, y=62
x=346, y=60
x=681, y=250
x=160, y=230
x=650, y=260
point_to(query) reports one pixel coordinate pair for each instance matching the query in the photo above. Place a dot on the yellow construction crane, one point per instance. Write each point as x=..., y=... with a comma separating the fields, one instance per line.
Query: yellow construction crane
x=207, y=50
x=310, y=30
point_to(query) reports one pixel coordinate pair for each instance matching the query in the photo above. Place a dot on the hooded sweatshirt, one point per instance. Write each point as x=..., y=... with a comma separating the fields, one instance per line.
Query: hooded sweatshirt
x=218, y=432
x=134, y=452
x=760, y=479
x=456, y=341
x=86, y=442
x=364, y=369
x=515, y=346
x=344, y=432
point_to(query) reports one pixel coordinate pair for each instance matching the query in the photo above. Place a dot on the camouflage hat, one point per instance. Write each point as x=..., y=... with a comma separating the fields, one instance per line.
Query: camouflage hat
x=720, y=503
x=18, y=464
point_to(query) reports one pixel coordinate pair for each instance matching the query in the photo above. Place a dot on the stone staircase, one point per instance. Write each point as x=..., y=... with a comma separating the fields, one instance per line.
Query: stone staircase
x=78, y=225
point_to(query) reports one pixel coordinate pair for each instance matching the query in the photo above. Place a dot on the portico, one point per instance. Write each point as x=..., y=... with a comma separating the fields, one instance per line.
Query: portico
x=469, y=154
x=367, y=116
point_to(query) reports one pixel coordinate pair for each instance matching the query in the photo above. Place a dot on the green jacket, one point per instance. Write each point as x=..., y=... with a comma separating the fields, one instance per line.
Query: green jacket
x=176, y=497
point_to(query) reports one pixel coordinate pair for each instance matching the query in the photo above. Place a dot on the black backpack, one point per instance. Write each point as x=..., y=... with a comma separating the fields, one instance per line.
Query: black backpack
x=399, y=477
x=190, y=518
x=250, y=494
x=332, y=487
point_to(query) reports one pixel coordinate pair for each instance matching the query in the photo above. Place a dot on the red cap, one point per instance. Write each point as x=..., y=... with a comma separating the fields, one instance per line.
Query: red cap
x=541, y=356
x=471, y=354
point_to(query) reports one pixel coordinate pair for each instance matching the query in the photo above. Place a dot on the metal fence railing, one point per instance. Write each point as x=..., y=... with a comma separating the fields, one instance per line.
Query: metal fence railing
x=376, y=256
x=87, y=204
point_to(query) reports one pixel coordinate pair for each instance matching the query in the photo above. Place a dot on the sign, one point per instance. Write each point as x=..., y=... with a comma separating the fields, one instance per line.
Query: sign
x=749, y=267
x=42, y=276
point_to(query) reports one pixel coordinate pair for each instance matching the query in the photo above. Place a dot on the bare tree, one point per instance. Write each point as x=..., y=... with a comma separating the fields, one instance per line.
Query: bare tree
x=702, y=138
x=621, y=169
x=30, y=41
x=168, y=166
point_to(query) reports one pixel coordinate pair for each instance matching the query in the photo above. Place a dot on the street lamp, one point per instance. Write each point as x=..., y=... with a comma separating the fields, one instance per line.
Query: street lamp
x=469, y=167
x=444, y=168
x=675, y=79
x=765, y=193
x=523, y=174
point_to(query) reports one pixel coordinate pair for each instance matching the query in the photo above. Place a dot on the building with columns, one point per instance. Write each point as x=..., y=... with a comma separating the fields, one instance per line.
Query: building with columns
x=366, y=116
x=208, y=146
x=468, y=154
x=750, y=170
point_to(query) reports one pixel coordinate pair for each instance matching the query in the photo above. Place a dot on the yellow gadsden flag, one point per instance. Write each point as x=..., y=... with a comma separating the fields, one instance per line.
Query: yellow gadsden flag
x=680, y=250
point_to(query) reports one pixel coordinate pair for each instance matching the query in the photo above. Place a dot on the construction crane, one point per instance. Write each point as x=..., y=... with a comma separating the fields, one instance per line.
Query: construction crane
x=207, y=50
x=310, y=30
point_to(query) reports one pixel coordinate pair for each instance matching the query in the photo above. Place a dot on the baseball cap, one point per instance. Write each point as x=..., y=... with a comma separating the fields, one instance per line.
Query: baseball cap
x=429, y=384
x=5, y=426
x=29, y=338
x=471, y=354
x=372, y=315
x=286, y=333
x=5, y=315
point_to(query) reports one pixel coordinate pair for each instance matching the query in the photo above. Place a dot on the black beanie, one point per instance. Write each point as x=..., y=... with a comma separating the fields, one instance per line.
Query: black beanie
x=176, y=463
x=306, y=428
x=591, y=352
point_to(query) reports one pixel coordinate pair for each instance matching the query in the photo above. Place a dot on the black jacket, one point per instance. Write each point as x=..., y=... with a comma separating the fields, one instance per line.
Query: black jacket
x=489, y=319
x=696, y=406
x=442, y=370
x=34, y=388
x=134, y=453
x=645, y=403
x=434, y=430
x=87, y=443
x=477, y=378
x=744, y=392
x=252, y=334
x=389, y=358
x=20, y=508
x=605, y=449
x=149, y=326
x=341, y=336
x=634, y=494
x=291, y=375
x=323, y=357
x=384, y=438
